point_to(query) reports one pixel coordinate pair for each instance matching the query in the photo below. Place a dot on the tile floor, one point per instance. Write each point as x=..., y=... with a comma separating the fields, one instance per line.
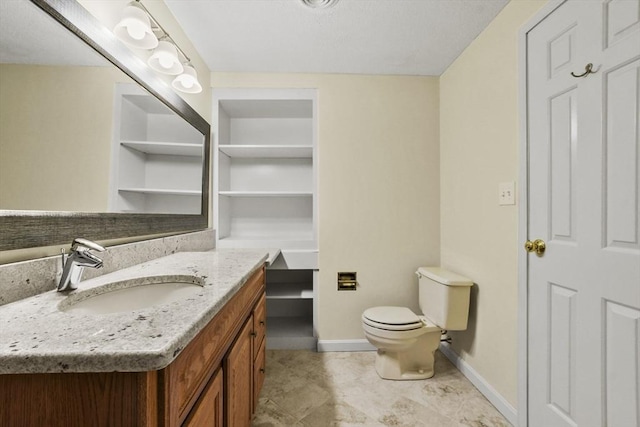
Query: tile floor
x=304, y=388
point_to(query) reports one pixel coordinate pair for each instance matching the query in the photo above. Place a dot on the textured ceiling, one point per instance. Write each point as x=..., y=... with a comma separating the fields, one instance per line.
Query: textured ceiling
x=30, y=36
x=406, y=37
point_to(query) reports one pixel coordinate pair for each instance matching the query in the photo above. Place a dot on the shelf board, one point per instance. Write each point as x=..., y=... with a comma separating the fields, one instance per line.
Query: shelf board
x=289, y=327
x=267, y=151
x=162, y=191
x=289, y=291
x=167, y=148
x=292, y=343
x=268, y=241
x=266, y=193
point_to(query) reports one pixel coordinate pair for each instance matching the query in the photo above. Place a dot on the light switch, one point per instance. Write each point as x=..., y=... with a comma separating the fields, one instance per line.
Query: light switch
x=507, y=193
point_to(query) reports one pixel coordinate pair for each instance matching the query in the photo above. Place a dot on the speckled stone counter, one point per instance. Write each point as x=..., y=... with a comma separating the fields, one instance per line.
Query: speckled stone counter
x=37, y=337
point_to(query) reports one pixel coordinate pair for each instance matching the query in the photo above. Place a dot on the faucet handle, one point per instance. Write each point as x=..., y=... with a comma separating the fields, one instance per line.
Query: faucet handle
x=80, y=243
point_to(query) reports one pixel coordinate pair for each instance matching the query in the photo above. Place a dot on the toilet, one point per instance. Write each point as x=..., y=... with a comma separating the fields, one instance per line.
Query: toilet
x=407, y=342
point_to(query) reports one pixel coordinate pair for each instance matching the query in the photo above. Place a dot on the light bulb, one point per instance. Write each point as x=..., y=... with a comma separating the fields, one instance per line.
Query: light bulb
x=187, y=81
x=136, y=31
x=134, y=28
x=165, y=61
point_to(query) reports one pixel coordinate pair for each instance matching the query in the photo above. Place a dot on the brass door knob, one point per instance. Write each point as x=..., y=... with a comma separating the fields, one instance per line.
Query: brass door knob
x=538, y=246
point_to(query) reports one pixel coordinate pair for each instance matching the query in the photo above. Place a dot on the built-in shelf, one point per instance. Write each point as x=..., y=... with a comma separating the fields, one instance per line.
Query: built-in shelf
x=266, y=193
x=267, y=151
x=277, y=241
x=165, y=148
x=289, y=291
x=290, y=333
x=289, y=326
x=265, y=197
x=160, y=191
x=157, y=157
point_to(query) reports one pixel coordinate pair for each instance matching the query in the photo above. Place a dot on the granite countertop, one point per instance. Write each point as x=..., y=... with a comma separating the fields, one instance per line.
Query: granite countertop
x=36, y=337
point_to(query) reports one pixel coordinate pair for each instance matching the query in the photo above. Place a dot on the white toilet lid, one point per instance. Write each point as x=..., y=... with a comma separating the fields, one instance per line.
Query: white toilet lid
x=392, y=318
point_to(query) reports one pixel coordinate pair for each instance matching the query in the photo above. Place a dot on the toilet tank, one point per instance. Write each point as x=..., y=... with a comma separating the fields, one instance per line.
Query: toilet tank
x=444, y=297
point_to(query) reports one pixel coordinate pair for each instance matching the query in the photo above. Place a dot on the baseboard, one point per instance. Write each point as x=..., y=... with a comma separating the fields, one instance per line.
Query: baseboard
x=345, y=345
x=496, y=399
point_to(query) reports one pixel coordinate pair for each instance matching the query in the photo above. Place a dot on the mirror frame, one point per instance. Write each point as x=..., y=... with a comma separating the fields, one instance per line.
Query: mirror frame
x=29, y=229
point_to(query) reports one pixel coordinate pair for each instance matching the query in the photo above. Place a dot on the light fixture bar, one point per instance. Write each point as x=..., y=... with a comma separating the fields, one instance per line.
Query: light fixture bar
x=165, y=34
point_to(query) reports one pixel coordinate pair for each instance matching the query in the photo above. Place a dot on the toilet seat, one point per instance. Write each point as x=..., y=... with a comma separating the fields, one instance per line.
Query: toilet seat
x=391, y=318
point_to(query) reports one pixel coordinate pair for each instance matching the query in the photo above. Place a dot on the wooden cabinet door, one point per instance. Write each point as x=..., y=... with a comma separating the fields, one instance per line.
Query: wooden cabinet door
x=259, y=323
x=239, y=378
x=258, y=373
x=209, y=410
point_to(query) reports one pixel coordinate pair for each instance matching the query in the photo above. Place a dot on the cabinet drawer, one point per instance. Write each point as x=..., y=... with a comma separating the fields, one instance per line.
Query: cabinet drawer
x=259, y=366
x=259, y=323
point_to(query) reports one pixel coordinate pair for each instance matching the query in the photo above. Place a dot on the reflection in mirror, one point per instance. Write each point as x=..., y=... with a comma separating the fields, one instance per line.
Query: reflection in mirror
x=156, y=158
x=88, y=148
x=77, y=134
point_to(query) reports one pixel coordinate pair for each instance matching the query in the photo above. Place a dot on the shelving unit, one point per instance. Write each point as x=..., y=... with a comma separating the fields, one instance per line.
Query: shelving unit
x=290, y=297
x=157, y=157
x=265, y=197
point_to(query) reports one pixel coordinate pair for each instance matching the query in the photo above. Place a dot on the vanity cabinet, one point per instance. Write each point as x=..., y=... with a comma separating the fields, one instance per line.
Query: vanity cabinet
x=239, y=370
x=212, y=382
x=245, y=368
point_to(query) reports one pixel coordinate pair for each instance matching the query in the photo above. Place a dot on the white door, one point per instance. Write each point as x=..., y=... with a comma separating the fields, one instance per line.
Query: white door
x=584, y=199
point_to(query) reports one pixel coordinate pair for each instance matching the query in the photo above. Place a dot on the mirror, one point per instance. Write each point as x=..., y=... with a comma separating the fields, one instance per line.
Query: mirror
x=86, y=147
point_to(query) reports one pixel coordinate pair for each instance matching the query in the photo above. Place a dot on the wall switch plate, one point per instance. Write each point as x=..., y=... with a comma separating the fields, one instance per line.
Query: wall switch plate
x=507, y=193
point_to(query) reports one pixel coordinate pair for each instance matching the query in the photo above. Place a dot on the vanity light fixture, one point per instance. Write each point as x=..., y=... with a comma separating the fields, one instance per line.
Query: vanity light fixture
x=164, y=59
x=134, y=29
x=187, y=81
x=139, y=29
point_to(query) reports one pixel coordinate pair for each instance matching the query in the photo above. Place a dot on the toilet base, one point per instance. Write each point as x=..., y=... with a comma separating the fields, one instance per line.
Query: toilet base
x=416, y=363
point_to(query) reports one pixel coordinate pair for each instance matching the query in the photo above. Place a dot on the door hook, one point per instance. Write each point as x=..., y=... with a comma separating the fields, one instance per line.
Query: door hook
x=588, y=69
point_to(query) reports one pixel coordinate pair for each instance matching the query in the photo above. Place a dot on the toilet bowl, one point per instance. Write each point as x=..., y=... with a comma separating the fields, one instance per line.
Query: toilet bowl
x=405, y=342
x=405, y=350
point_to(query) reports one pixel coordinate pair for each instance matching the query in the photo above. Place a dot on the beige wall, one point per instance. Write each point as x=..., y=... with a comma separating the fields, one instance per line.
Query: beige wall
x=378, y=187
x=478, y=150
x=56, y=126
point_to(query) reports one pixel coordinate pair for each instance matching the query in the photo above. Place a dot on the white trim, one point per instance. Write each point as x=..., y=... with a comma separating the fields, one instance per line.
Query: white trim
x=496, y=399
x=523, y=215
x=523, y=220
x=345, y=345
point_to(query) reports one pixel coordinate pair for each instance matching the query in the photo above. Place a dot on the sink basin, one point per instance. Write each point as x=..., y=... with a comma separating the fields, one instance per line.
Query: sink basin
x=129, y=296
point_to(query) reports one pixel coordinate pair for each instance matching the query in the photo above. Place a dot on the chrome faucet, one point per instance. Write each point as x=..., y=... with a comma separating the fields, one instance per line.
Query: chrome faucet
x=73, y=264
